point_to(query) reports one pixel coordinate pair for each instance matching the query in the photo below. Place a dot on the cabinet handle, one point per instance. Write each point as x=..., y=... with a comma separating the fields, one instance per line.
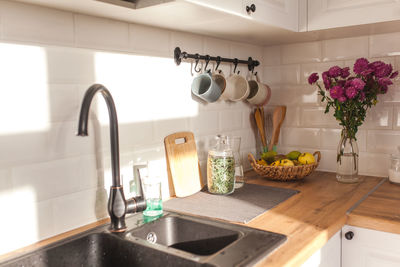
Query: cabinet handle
x=251, y=8
x=349, y=235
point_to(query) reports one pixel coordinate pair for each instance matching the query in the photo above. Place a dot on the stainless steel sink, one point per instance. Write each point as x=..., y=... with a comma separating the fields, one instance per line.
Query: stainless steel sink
x=172, y=240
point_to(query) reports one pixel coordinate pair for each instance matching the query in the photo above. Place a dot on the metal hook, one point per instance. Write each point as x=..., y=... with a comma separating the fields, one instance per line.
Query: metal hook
x=197, y=62
x=235, y=62
x=207, y=59
x=218, y=60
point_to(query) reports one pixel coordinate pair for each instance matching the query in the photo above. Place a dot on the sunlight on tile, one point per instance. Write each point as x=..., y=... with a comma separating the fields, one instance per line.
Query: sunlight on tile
x=24, y=213
x=145, y=88
x=23, y=86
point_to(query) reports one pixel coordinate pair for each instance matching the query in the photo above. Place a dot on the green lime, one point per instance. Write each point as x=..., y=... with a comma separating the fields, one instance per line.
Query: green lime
x=293, y=155
x=268, y=156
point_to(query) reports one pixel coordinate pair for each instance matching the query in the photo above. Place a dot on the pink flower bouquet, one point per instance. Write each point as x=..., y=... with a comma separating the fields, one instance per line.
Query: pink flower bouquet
x=352, y=95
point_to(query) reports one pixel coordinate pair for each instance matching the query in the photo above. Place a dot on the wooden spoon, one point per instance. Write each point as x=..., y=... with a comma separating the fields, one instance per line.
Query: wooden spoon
x=277, y=119
x=260, y=125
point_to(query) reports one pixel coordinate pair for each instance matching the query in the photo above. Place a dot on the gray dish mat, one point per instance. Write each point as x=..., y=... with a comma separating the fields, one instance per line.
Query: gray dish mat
x=243, y=205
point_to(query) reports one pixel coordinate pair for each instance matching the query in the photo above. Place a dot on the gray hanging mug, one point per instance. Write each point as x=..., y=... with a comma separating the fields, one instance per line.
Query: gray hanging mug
x=204, y=87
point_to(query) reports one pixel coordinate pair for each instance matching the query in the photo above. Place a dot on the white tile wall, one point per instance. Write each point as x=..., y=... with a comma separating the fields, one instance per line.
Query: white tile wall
x=58, y=180
x=100, y=33
x=61, y=177
x=301, y=53
x=38, y=24
x=340, y=49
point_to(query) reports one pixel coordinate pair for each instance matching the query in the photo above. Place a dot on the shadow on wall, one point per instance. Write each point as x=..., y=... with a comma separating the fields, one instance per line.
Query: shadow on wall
x=53, y=179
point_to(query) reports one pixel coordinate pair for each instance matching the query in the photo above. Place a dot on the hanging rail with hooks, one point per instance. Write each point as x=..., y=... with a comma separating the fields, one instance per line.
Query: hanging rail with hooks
x=179, y=55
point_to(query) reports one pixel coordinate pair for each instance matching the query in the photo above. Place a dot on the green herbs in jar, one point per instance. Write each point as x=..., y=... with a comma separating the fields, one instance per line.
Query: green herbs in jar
x=220, y=174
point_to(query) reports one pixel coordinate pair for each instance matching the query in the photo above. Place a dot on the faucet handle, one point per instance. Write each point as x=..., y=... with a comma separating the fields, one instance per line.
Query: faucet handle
x=135, y=204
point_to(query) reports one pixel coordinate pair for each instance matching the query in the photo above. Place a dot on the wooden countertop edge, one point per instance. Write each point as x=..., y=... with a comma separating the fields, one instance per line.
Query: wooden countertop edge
x=52, y=239
x=317, y=243
x=373, y=223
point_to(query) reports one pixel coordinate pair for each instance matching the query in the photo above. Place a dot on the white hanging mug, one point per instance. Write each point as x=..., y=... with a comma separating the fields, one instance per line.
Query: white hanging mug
x=237, y=88
x=258, y=92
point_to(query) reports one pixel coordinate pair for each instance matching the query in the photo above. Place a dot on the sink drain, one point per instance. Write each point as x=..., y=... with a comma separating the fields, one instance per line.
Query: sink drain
x=151, y=237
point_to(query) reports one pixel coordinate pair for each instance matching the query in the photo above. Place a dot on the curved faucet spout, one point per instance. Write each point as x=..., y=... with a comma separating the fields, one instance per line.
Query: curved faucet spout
x=114, y=141
x=118, y=206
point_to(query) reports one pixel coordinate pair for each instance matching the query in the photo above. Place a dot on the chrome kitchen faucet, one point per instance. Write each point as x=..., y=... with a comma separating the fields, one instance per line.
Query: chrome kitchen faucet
x=118, y=206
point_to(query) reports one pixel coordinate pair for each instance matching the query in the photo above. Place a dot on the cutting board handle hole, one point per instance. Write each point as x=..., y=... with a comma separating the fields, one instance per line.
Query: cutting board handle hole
x=179, y=141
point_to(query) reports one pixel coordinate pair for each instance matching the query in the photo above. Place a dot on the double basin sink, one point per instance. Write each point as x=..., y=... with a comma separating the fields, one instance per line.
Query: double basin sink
x=172, y=240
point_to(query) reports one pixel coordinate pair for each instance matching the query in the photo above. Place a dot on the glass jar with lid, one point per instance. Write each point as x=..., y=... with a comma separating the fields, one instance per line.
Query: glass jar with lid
x=221, y=168
x=394, y=171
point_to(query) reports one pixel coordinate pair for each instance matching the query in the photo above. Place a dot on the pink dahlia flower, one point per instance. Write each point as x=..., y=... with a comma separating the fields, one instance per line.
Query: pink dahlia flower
x=313, y=78
x=360, y=65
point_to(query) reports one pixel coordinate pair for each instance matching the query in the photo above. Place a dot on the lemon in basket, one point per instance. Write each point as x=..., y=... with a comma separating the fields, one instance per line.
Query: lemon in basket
x=306, y=158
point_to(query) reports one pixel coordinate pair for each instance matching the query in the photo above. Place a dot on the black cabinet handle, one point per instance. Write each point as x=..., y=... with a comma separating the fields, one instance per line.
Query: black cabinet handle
x=251, y=8
x=349, y=235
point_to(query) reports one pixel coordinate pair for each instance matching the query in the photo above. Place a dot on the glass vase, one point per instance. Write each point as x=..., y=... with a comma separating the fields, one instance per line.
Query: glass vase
x=347, y=159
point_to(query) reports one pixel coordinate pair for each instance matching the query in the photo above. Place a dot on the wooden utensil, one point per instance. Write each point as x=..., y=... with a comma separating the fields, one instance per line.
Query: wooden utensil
x=277, y=119
x=182, y=164
x=260, y=125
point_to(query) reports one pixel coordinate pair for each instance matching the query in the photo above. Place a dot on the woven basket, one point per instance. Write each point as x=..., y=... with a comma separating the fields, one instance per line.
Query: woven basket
x=284, y=173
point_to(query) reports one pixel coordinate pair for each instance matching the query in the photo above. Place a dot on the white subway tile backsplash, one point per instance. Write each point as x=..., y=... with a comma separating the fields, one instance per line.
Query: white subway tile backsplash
x=134, y=134
x=70, y=65
x=383, y=141
x=100, y=33
x=301, y=53
x=340, y=49
x=36, y=24
x=162, y=128
x=156, y=41
x=230, y=120
x=63, y=102
x=244, y=51
x=77, y=209
x=205, y=123
x=217, y=47
x=379, y=117
x=272, y=75
x=316, y=117
x=384, y=45
x=271, y=56
x=396, y=118
x=374, y=164
x=290, y=74
x=56, y=178
x=328, y=161
x=330, y=139
x=301, y=137
x=187, y=42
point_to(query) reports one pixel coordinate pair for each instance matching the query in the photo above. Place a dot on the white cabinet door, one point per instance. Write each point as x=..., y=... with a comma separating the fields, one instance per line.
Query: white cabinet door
x=328, y=255
x=279, y=13
x=369, y=248
x=325, y=14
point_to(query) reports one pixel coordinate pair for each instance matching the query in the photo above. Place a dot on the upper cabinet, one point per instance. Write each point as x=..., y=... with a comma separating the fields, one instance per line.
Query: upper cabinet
x=326, y=14
x=278, y=13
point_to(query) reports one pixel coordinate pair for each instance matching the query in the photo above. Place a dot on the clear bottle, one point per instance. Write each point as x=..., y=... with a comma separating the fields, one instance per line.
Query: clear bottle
x=347, y=159
x=221, y=168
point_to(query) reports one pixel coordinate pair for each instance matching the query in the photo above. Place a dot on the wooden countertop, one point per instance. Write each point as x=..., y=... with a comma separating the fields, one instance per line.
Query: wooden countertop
x=309, y=219
x=380, y=211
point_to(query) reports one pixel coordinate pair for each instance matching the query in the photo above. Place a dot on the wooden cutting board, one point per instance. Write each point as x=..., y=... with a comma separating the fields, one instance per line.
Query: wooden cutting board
x=183, y=164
